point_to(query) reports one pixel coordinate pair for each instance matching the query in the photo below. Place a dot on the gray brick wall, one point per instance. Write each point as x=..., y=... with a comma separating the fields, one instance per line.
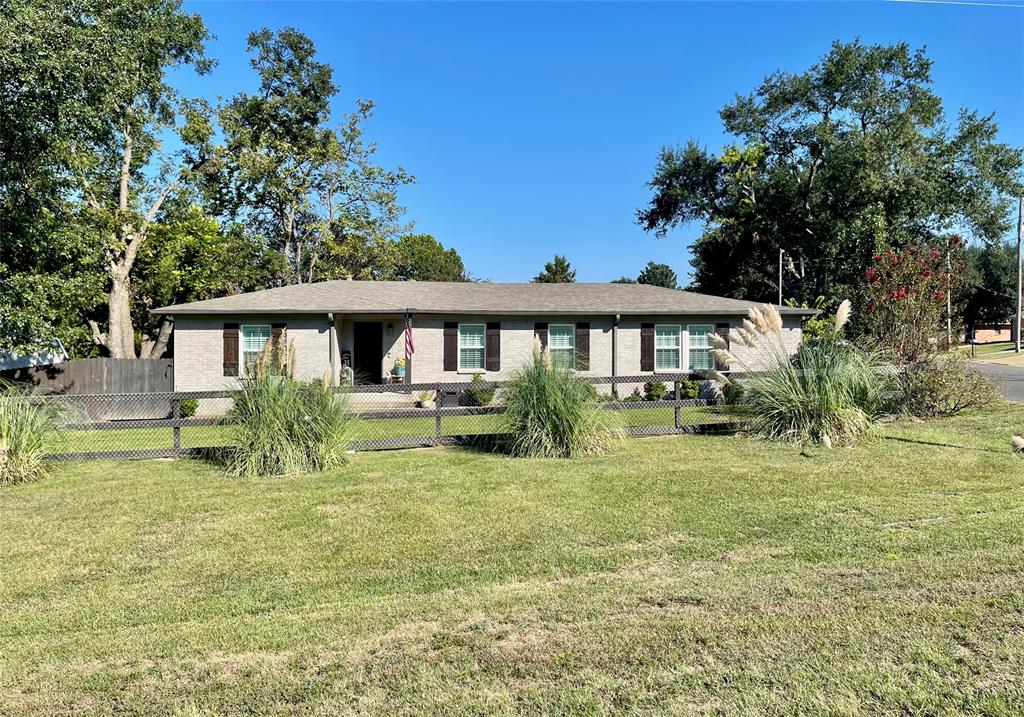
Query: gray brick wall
x=198, y=345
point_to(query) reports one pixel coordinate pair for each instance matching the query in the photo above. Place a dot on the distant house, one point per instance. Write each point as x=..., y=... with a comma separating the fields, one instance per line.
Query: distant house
x=988, y=333
x=458, y=329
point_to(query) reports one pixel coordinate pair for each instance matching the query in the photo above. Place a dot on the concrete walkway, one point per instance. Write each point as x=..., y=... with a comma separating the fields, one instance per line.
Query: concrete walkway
x=1011, y=378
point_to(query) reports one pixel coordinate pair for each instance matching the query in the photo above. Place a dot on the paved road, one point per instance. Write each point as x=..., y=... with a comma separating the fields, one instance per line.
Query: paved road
x=1011, y=378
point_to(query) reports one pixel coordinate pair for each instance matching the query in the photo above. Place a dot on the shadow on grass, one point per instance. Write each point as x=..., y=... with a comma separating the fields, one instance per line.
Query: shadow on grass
x=937, y=444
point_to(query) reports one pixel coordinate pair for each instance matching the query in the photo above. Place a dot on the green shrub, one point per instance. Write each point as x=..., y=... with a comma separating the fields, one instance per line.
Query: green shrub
x=733, y=392
x=634, y=397
x=188, y=407
x=944, y=386
x=282, y=426
x=689, y=389
x=550, y=412
x=29, y=429
x=654, y=391
x=479, y=396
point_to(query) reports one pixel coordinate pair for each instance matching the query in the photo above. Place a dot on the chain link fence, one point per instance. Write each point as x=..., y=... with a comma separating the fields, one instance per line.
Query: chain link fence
x=152, y=425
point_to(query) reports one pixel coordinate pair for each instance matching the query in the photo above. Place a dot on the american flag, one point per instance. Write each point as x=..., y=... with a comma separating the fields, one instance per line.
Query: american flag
x=409, y=348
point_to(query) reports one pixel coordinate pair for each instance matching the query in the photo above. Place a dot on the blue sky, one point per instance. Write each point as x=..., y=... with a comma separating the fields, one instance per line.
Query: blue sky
x=532, y=128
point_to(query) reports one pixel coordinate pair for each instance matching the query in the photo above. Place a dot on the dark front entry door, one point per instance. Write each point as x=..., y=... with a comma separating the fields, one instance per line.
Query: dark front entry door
x=368, y=351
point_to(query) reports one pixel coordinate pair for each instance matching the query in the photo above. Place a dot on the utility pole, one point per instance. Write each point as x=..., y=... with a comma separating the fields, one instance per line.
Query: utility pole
x=781, y=252
x=1020, y=289
x=949, y=298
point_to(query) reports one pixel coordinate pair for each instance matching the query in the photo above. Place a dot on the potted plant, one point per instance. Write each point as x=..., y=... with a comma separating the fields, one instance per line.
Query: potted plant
x=426, y=400
x=399, y=369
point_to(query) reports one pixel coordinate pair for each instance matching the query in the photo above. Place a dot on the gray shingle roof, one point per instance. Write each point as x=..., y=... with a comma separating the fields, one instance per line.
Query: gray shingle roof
x=389, y=297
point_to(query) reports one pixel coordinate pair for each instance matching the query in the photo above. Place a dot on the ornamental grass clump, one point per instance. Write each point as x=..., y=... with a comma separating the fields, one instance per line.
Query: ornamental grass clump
x=830, y=391
x=282, y=426
x=551, y=413
x=29, y=429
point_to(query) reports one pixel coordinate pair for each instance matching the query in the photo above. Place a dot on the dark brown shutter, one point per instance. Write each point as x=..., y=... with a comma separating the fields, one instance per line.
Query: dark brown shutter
x=723, y=331
x=451, y=346
x=279, y=343
x=646, y=347
x=493, y=344
x=582, y=345
x=541, y=329
x=230, y=349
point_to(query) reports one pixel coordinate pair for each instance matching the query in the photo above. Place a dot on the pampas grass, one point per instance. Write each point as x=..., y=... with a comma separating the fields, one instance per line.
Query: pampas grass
x=30, y=428
x=282, y=426
x=842, y=315
x=551, y=413
x=829, y=392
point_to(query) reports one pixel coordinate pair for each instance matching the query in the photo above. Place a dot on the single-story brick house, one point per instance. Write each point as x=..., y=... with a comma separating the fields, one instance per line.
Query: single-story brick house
x=459, y=329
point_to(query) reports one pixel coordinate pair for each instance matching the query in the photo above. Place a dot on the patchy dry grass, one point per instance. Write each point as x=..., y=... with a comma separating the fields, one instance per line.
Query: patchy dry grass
x=684, y=575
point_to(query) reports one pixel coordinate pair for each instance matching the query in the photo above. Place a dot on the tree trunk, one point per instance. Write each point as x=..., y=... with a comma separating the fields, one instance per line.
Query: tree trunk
x=120, y=331
x=154, y=349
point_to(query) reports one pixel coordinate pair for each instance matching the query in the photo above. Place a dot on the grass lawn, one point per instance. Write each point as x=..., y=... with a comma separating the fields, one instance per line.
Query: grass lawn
x=417, y=425
x=1001, y=353
x=681, y=575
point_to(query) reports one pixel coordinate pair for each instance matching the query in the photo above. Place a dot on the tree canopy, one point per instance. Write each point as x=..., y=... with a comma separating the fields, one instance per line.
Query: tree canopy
x=989, y=295
x=118, y=194
x=658, y=275
x=833, y=165
x=556, y=271
x=308, y=188
x=422, y=257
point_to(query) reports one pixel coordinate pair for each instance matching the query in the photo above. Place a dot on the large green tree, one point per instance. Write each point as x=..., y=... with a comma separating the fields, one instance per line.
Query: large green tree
x=312, y=190
x=658, y=275
x=556, y=271
x=192, y=256
x=421, y=257
x=991, y=283
x=831, y=165
x=87, y=115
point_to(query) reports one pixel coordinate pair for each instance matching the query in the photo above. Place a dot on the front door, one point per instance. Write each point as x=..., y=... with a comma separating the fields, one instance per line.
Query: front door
x=367, y=351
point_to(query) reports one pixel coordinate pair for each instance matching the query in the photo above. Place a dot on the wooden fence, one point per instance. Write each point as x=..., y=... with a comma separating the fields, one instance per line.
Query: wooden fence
x=105, y=376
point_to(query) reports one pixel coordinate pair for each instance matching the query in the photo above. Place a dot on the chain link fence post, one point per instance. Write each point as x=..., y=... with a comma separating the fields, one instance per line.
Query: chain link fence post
x=438, y=399
x=176, y=415
x=677, y=391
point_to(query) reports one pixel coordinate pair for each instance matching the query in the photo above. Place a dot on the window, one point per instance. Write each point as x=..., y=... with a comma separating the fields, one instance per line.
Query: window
x=562, y=345
x=471, y=347
x=254, y=338
x=667, y=348
x=700, y=346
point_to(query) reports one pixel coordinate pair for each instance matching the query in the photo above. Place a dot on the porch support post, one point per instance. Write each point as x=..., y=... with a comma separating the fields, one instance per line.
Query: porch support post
x=408, y=359
x=332, y=340
x=615, y=355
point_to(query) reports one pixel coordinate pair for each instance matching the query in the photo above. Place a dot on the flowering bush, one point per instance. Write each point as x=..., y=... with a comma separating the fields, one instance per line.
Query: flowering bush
x=905, y=297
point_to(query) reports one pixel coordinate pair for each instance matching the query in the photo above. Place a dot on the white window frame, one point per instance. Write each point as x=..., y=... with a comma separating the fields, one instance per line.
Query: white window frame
x=689, y=344
x=458, y=348
x=679, y=348
x=241, y=342
x=572, y=333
